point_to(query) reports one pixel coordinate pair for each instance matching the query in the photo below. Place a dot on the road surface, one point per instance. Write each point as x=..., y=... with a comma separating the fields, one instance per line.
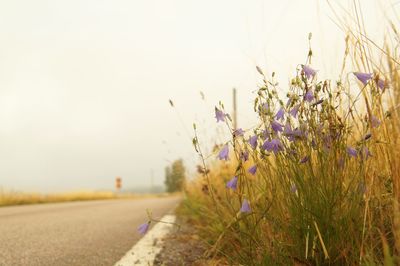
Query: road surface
x=76, y=233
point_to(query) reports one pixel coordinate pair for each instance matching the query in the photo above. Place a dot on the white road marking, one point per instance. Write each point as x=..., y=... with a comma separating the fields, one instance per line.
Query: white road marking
x=146, y=249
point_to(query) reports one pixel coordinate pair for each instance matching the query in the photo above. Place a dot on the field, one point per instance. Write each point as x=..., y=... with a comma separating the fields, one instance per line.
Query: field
x=9, y=198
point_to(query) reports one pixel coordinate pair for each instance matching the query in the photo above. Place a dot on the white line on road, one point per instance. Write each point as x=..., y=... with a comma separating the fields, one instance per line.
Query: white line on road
x=146, y=249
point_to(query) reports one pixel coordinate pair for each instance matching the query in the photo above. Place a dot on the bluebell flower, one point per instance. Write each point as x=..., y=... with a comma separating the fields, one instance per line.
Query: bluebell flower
x=280, y=115
x=294, y=110
x=274, y=145
x=253, y=141
x=252, y=170
x=298, y=133
x=287, y=130
x=245, y=207
x=265, y=133
x=381, y=84
x=238, y=132
x=308, y=71
x=232, y=184
x=351, y=151
x=224, y=153
x=276, y=126
x=142, y=229
x=309, y=96
x=366, y=153
x=363, y=77
x=219, y=115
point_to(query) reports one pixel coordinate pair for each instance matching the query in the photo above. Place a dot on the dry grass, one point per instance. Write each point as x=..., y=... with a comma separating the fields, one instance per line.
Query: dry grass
x=9, y=198
x=344, y=209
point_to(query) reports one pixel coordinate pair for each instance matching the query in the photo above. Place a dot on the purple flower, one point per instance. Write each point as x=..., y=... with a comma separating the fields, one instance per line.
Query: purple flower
x=244, y=155
x=305, y=159
x=224, y=153
x=253, y=141
x=351, y=151
x=274, y=145
x=265, y=107
x=245, y=206
x=266, y=133
x=294, y=110
x=381, y=84
x=280, y=115
x=142, y=229
x=309, y=96
x=238, y=132
x=375, y=122
x=298, y=133
x=232, y=184
x=252, y=170
x=287, y=129
x=292, y=134
x=276, y=126
x=293, y=188
x=363, y=77
x=219, y=115
x=366, y=153
x=308, y=71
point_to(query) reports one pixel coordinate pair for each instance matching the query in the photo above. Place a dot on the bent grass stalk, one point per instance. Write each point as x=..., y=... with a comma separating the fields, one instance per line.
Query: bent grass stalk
x=321, y=241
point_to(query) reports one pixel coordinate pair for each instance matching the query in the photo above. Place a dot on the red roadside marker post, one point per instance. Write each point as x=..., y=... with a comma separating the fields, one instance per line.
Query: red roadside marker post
x=118, y=183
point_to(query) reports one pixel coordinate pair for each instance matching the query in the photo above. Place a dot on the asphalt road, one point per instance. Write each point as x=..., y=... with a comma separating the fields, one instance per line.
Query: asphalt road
x=76, y=233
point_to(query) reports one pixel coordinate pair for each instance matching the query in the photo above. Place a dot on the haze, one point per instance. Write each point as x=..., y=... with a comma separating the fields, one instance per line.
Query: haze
x=84, y=85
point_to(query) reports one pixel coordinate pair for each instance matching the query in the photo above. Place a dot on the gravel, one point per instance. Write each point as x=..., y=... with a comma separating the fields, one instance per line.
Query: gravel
x=182, y=247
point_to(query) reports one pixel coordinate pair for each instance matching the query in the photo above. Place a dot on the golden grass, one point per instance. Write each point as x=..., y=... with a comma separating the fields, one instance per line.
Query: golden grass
x=337, y=215
x=9, y=198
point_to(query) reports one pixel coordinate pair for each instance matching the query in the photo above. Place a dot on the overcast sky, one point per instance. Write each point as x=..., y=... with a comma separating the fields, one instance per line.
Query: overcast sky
x=84, y=85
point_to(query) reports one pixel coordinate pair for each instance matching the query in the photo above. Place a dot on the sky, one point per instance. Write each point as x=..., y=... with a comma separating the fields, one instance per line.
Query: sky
x=85, y=84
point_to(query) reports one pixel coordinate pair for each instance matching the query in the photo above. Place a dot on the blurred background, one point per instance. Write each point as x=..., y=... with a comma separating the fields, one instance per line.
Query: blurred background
x=85, y=85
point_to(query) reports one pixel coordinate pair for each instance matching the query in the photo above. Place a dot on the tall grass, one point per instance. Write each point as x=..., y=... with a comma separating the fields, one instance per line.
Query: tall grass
x=327, y=187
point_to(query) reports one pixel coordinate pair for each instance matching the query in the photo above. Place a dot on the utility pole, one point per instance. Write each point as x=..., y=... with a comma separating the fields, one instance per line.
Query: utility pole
x=234, y=110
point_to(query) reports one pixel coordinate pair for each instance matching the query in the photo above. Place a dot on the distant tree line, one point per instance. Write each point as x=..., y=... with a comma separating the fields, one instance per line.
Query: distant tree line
x=175, y=176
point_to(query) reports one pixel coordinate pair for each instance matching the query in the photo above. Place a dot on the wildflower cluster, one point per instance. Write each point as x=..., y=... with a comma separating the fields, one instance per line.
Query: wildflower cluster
x=296, y=176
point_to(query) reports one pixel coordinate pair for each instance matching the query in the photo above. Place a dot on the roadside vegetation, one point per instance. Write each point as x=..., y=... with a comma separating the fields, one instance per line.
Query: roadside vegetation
x=317, y=180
